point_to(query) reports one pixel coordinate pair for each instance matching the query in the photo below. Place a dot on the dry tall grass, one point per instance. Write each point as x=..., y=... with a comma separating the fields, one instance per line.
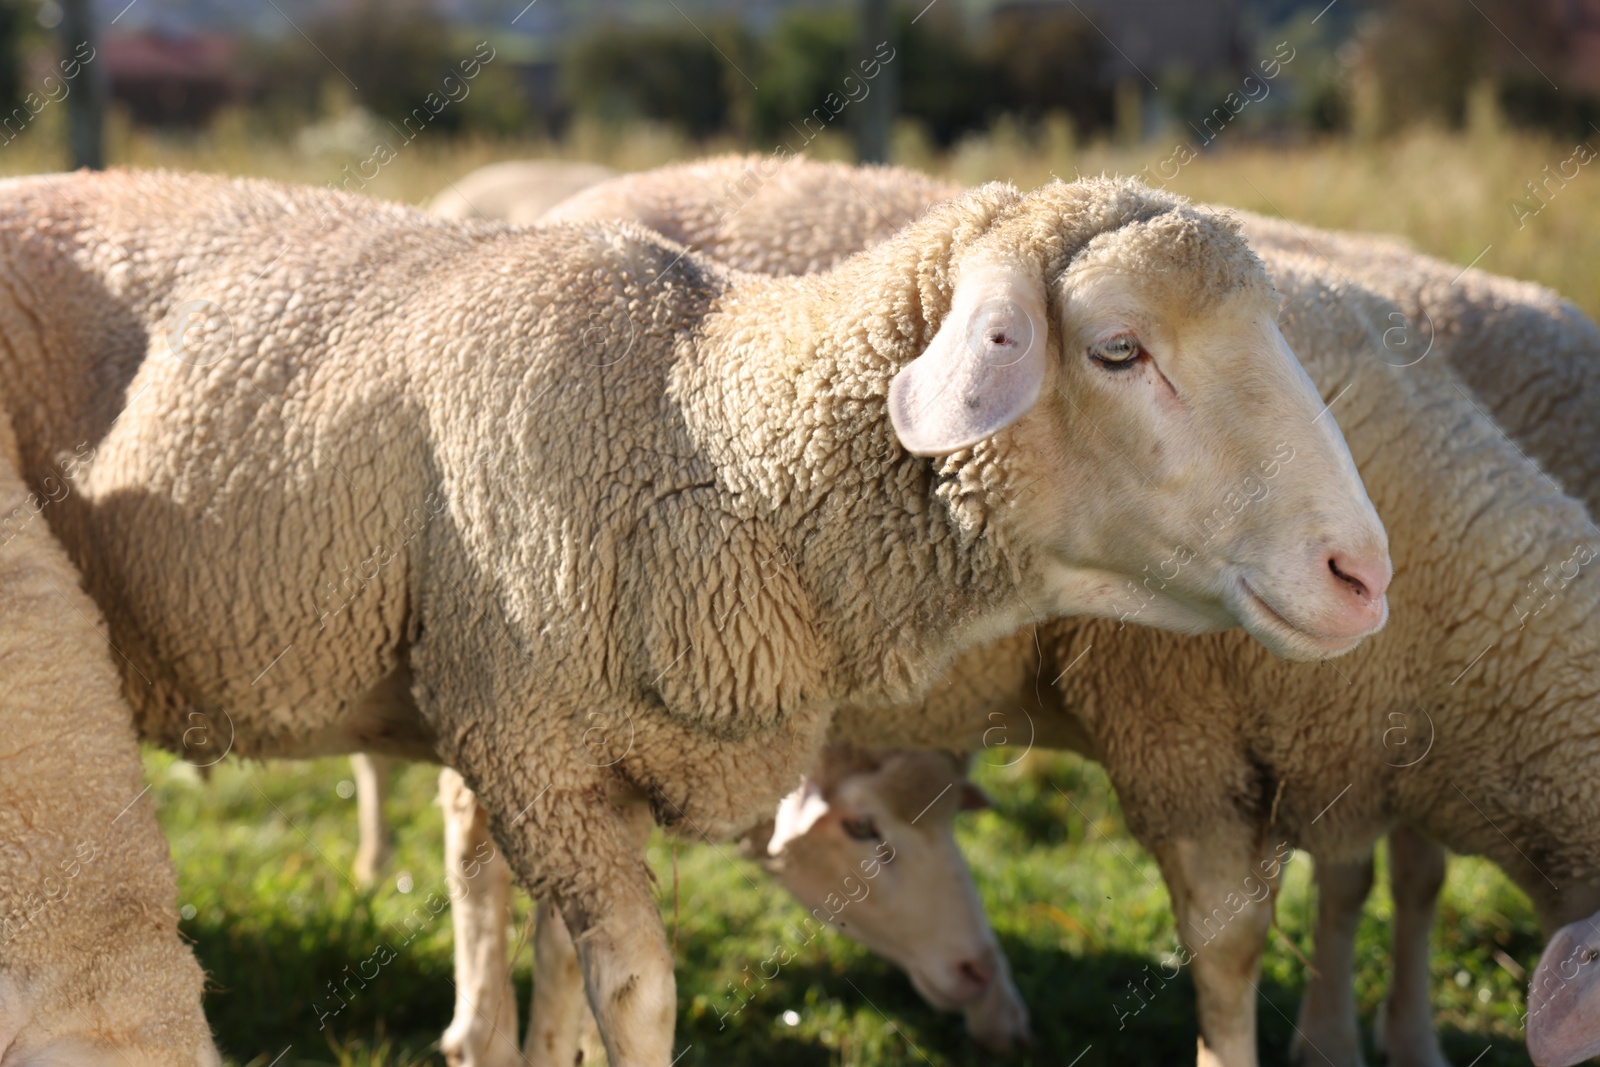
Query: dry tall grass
x=1454, y=195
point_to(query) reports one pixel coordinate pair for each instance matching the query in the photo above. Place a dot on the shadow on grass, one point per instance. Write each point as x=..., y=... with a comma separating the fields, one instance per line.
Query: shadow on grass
x=298, y=985
x=272, y=981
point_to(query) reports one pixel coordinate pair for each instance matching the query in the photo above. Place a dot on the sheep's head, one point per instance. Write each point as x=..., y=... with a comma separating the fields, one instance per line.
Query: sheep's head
x=1564, y=997
x=1117, y=352
x=869, y=847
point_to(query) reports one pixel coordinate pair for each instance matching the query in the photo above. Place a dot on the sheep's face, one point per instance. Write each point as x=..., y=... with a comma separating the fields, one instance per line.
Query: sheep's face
x=1179, y=469
x=1564, y=997
x=876, y=856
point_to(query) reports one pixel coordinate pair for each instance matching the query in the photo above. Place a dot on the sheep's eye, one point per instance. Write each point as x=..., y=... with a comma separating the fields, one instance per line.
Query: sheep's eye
x=862, y=828
x=1119, y=353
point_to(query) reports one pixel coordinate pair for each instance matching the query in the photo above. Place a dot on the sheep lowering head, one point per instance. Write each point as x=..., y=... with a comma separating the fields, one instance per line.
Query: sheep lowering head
x=867, y=843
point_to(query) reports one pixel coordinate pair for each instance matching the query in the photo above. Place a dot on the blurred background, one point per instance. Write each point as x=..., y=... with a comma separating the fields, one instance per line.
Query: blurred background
x=1463, y=125
x=1452, y=122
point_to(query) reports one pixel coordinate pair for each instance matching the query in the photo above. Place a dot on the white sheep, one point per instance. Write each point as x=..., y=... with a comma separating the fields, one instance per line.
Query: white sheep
x=1223, y=759
x=640, y=517
x=775, y=215
x=1467, y=318
x=866, y=845
x=518, y=191
x=93, y=972
x=1545, y=399
x=958, y=966
x=935, y=896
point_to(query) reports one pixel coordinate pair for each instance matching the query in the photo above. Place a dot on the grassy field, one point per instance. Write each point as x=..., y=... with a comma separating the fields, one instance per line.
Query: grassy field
x=263, y=851
x=264, y=854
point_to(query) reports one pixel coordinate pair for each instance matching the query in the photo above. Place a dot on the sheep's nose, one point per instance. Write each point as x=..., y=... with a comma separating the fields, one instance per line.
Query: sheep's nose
x=1368, y=579
x=1364, y=581
x=978, y=972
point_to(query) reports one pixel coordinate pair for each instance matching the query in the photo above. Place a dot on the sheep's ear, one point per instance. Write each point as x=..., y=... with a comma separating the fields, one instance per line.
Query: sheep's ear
x=984, y=368
x=797, y=814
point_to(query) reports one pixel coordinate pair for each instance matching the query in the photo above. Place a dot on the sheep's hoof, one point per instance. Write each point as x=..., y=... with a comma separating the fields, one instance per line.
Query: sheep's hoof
x=1322, y=1047
x=1409, y=1044
x=473, y=1042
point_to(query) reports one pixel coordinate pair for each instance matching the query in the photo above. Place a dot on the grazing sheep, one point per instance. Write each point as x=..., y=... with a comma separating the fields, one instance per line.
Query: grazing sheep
x=92, y=970
x=640, y=517
x=866, y=844
x=518, y=191
x=1564, y=998
x=1471, y=320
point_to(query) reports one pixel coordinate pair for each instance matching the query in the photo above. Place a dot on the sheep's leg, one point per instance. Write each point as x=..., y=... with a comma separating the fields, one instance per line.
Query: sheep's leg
x=557, y=1012
x=1223, y=907
x=374, y=845
x=484, y=1030
x=561, y=1028
x=1405, y=1023
x=622, y=947
x=1329, y=1030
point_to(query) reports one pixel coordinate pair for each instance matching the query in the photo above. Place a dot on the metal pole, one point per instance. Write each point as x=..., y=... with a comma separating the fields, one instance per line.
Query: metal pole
x=877, y=115
x=86, y=103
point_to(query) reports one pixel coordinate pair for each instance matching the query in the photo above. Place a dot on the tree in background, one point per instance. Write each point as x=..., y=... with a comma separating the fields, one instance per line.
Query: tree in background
x=665, y=74
x=805, y=58
x=1049, y=59
x=1030, y=63
x=15, y=35
x=1421, y=60
x=386, y=56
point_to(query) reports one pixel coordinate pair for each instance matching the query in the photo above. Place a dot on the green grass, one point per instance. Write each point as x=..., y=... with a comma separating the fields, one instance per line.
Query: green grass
x=263, y=852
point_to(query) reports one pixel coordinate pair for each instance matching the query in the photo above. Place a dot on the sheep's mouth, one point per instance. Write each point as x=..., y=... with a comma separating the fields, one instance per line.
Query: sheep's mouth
x=1269, y=618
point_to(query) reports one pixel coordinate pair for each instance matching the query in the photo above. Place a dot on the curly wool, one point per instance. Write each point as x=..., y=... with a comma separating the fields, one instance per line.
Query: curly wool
x=394, y=518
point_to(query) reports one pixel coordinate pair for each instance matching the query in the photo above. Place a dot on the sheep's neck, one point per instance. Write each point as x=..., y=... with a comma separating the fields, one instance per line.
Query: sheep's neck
x=786, y=393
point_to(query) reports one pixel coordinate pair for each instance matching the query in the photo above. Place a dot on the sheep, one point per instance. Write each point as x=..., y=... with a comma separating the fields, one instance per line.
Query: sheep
x=1473, y=318
x=1545, y=399
x=771, y=214
x=518, y=191
x=865, y=844
x=92, y=969
x=409, y=519
x=932, y=891
x=995, y=1017
x=374, y=842
x=1222, y=760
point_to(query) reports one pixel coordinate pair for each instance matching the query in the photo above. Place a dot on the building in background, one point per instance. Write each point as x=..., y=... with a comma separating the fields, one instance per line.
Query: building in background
x=174, y=79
